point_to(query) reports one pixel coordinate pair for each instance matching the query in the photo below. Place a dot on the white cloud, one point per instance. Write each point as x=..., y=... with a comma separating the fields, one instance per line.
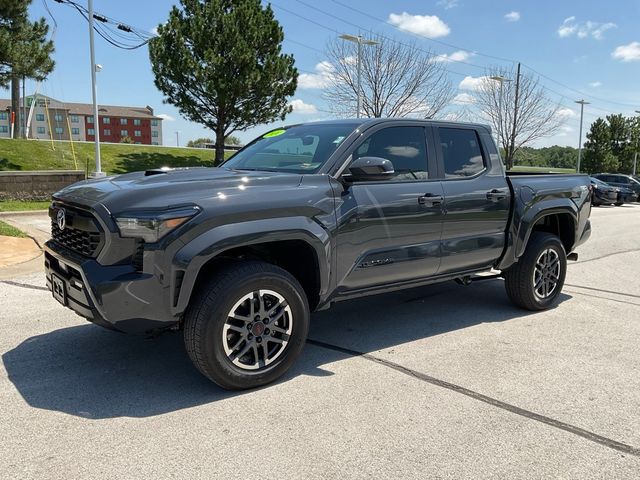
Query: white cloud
x=595, y=84
x=627, y=53
x=463, y=99
x=472, y=83
x=448, y=4
x=512, y=16
x=586, y=29
x=426, y=25
x=459, y=56
x=566, y=113
x=303, y=108
x=166, y=117
x=317, y=80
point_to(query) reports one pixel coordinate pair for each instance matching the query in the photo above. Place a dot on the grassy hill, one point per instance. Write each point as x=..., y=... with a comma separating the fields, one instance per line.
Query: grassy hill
x=116, y=158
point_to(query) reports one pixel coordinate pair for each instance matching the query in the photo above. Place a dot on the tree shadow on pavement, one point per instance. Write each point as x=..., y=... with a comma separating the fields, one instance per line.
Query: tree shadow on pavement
x=95, y=373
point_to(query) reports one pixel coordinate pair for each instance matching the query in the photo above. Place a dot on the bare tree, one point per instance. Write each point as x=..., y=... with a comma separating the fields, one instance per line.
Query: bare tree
x=397, y=79
x=518, y=109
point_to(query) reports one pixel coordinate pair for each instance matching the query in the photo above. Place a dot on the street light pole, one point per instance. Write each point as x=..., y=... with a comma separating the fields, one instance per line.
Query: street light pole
x=177, y=138
x=501, y=79
x=360, y=41
x=94, y=88
x=582, y=104
x=635, y=154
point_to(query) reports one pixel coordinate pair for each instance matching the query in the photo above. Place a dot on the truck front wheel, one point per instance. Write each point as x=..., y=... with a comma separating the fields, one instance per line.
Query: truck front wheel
x=535, y=282
x=247, y=325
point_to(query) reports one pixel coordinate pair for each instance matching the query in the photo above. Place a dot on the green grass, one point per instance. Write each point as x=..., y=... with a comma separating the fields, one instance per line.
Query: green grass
x=116, y=158
x=524, y=168
x=22, y=205
x=9, y=231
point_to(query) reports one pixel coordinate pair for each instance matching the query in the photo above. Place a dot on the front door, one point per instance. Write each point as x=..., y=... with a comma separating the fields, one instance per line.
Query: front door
x=389, y=230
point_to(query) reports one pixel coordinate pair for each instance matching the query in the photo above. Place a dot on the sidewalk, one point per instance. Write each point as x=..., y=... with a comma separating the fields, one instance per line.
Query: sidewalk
x=23, y=255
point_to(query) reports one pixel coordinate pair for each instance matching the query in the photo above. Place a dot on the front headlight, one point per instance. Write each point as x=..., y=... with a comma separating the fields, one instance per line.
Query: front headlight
x=152, y=226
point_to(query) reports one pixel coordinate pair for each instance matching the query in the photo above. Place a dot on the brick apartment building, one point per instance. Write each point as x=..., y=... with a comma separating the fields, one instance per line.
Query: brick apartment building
x=52, y=118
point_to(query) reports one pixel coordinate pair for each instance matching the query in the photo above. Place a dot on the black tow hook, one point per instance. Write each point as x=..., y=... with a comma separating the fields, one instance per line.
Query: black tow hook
x=573, y=257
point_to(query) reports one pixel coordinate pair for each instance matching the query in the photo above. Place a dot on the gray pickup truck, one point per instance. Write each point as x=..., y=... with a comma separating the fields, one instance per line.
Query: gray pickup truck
x=238, y=256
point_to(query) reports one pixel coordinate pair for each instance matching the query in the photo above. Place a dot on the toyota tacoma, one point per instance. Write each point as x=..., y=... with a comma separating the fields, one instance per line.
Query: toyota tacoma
x=238, y=256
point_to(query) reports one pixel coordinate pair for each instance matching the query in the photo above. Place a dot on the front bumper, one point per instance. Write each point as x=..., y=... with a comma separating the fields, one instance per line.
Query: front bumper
x=116, y=297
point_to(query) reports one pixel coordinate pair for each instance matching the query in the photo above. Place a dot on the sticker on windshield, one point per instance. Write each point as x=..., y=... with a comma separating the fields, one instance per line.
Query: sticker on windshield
x=274, y=133
x=338, y=140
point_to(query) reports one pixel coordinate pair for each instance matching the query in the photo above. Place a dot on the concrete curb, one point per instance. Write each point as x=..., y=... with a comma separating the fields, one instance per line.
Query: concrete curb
x=23, y=212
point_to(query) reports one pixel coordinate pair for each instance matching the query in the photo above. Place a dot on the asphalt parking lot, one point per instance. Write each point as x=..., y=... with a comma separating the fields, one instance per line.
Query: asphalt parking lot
x=437, y=382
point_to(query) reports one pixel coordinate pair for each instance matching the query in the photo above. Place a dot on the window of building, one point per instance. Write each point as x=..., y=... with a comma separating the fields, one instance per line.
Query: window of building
x=461, y=152
x=4, y=115
x=154, y=133
x=137, y=133
x=138, y=143
x=123, y=121
x=58, y=130
x=154, y=122
x=74, y=118
x=57, y=117
x=40, y=117
x=106, y=120
x=136, y=121
x=91, y=131
x=41, y=130
x=90, y=119
x=4, y=129
x=124, y=133
x=404, y=147
x=75, y=131
x=106, y=132
x=154, y=143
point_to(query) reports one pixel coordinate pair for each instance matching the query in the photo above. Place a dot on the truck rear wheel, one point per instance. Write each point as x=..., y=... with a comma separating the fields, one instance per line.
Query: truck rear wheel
x=535, y=282
x=247, y=325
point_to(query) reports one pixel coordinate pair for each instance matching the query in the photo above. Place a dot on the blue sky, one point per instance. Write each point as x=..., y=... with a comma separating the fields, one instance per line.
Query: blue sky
x=587, y=48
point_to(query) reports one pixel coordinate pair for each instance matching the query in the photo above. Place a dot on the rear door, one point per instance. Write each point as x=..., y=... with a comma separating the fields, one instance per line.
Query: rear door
x=477, y=199
x=389, y=230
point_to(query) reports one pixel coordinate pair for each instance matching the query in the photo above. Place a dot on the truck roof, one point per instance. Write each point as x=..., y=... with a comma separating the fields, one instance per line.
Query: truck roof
x=391, y=120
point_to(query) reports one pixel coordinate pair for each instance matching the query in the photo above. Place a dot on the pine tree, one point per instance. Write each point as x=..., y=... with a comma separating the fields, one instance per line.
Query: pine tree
x=598, y=156
x=220, y=63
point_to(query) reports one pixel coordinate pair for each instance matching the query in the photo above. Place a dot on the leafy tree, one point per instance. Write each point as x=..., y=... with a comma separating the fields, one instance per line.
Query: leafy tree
x=25, y=51
x=598, y=156
x=199, y=142
x=220, y=63
x=126, y=139
x=232, y=140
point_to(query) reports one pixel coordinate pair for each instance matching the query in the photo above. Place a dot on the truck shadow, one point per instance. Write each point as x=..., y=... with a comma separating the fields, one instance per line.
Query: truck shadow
x=90, y=372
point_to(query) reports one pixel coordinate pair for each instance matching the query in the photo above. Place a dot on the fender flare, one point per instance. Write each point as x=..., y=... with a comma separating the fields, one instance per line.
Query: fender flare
x=212, y=243
x=541, y=210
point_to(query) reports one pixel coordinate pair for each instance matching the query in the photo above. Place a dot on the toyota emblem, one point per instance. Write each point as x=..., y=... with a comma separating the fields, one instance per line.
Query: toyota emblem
x=61, y=219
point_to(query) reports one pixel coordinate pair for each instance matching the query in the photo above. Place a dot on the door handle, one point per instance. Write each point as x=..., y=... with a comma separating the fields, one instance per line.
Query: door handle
x=496, y=195
x=430, y=199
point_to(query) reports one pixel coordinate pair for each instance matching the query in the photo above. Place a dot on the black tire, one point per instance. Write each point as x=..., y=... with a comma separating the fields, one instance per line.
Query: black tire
x=519, y=279
x=208, y=312
x=619, y=204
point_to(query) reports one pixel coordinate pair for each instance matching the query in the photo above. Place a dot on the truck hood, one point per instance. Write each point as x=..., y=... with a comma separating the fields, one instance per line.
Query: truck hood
x=166, y=188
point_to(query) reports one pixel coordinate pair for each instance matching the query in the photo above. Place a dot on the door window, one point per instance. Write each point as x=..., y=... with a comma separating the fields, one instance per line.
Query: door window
x=404, y=147
x=461, y=152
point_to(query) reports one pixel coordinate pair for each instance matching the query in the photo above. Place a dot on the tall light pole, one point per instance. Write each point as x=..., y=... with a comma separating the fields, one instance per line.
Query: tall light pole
x=94, y=88
x=177, y=138
x=582, y=104
x=635, y=154
x=501, y=79
x=360, y=41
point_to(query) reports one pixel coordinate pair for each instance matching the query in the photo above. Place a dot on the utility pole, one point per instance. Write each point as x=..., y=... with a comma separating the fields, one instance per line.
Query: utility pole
x=177, y=138
x=23, y=118
x=512, y=140
x=635, y=154
x=360, y=41
x=582, y=104
x=96, y=123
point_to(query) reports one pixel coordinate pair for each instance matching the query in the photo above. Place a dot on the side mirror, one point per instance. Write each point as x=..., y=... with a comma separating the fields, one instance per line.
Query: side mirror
x=369, y=168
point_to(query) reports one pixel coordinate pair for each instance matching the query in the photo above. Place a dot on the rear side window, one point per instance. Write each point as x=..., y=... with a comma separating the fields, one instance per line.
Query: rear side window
x=461, y=152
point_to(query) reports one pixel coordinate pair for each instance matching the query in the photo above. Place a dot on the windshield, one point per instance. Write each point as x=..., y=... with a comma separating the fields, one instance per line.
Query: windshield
x=296, y=149
x=600, y=183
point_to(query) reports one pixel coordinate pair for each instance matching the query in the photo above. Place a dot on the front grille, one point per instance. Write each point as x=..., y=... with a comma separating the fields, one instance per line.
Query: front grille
x=81, y=234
